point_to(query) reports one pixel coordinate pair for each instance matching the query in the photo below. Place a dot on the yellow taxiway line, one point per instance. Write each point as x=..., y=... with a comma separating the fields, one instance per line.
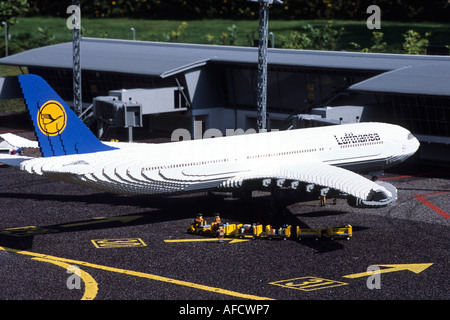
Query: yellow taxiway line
x=205, y=240
x=56, y=260
x=91, y=287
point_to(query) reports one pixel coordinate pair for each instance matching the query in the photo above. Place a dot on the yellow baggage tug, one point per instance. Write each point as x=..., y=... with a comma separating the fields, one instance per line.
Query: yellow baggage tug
x=258, y=231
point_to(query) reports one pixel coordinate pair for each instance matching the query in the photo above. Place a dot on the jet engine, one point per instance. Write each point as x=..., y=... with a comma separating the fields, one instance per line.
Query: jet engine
x=377, y=199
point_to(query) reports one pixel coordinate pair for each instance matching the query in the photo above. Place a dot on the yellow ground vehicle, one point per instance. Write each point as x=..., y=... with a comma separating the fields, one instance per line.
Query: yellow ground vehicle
x=277, y=233
x=303, y=233
x=251, y=231
x=211, y=230
x=342, y=232
x=230, y=230
x=200, y=228
x=255, y=231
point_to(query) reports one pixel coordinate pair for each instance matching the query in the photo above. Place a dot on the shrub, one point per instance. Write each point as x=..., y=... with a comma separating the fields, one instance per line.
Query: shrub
x=414, y=43
x=315, y=38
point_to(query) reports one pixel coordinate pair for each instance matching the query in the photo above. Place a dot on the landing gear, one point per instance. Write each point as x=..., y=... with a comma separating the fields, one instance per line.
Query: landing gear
x=376, y=174
x=244, y=195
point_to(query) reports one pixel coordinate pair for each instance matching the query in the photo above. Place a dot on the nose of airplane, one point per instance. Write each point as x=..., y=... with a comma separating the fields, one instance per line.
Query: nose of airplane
x=412, y=144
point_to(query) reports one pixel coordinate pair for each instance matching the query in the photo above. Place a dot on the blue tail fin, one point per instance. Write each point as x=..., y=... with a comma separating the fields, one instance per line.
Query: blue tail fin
x=58, y=129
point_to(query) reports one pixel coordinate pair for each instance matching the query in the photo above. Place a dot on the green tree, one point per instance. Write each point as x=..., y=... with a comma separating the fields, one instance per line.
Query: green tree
x=10, y=10
x=184, y=10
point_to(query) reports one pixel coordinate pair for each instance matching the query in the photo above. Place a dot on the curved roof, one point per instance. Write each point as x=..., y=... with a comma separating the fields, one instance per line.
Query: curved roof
x=166, y=59
x=428, y=78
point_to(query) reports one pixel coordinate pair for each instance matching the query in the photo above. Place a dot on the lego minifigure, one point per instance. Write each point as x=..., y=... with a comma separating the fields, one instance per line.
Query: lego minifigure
x=221, y=232
x=323, y=201
x=199, y=220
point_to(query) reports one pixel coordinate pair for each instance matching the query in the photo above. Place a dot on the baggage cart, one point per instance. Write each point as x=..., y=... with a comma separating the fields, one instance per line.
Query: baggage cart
x=305, y=233
x=340, y=232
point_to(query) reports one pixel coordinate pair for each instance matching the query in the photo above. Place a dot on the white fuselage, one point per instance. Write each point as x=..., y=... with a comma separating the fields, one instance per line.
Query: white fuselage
x=187, y=166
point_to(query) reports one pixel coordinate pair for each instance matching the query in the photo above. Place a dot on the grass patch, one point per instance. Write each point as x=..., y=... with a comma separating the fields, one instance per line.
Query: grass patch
x=50, y=30
x=12, y=105
x=40, y=31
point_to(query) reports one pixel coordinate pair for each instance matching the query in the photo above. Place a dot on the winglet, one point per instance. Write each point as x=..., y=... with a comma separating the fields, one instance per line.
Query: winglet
x=57, y=128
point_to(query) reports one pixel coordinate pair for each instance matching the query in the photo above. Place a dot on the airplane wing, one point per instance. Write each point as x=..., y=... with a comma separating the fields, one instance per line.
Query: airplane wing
x=318, y=173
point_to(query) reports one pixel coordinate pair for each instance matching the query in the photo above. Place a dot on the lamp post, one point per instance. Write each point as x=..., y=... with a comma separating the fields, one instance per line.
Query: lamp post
x=76, y=39
x=134, y=33
x=6, y=37
x=262, y=61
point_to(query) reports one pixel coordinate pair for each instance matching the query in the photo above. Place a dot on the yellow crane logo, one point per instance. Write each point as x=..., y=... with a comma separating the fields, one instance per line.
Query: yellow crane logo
x=52, y=118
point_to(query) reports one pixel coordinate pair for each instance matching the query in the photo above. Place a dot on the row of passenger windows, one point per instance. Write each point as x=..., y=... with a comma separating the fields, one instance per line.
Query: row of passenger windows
x=352, y=145
x=286, y=153
x=198, y=163
x=182, y=165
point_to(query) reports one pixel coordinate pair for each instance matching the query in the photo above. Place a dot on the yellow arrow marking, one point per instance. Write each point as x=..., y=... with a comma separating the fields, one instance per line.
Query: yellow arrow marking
x=416, y=268
x=237, y=240
x=208, y=239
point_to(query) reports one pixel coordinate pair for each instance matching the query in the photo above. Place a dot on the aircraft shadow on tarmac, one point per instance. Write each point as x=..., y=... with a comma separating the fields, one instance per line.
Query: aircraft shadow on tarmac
x=258, y=210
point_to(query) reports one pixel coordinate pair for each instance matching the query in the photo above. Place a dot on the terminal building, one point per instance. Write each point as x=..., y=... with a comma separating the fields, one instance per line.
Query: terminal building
x=200, y=87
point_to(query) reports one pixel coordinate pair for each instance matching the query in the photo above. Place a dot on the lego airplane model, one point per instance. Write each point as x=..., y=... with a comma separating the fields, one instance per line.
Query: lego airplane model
x=323, y=159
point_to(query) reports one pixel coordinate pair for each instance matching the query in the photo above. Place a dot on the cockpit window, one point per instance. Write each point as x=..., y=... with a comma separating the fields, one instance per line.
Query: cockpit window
x=410, y=136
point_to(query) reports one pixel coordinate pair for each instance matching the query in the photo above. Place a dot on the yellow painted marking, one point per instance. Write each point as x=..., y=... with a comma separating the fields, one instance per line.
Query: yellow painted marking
x=204, y=240
x=416, y=268
x=123, y=219
x=237, y=240
x=308, y=283
x=33, y=230
x=141, y=275
x=191, y=240
x=90, y=285
x=118, y=243
x=26, y=231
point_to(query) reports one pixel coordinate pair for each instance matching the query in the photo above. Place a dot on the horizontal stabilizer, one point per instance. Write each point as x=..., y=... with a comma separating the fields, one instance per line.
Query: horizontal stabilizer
x=13, y=160
x=18, y=142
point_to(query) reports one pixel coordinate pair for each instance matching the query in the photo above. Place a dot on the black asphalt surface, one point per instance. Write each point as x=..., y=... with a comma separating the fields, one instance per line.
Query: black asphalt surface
x=43, y=219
